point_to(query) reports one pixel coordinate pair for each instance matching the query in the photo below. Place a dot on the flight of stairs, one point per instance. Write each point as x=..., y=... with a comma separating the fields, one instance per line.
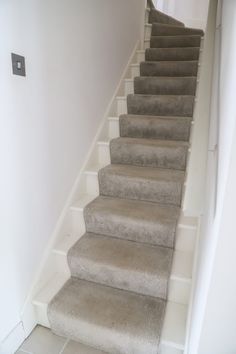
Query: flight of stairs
x=120, y=268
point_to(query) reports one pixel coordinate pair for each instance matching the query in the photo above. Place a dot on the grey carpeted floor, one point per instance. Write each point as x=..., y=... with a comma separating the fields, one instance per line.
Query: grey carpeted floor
x=115, y=299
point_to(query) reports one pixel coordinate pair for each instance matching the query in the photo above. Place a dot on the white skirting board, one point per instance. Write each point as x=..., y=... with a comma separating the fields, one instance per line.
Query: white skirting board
x=12, y=342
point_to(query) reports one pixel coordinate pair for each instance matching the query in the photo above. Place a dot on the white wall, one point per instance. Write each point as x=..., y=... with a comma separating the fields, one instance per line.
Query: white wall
x=192, y=12
x=214, y=310
x=75, y=53
x=218, y=332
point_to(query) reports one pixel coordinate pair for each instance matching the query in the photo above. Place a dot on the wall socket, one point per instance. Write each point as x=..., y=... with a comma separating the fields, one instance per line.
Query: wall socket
x=18, y=64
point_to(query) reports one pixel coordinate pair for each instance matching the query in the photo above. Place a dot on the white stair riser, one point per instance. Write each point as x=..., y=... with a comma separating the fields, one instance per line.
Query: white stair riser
x=114, y=129
x=77, y=219
x=146, y=44
x=129, y=87
x=140, y=56
x=135, y=71
x=92, y=186
x=41, y=304
x=41, y=315
x=148, y=30
x=185, y=239
x=104, y=157
x=121, y=106
x=179, y=291
x=146, y=16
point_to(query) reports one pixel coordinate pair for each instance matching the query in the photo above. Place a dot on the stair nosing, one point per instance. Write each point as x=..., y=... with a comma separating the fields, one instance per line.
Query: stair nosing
x=146, y=115
x=168, y=61
x=159, y=48
x=145, y=140
x=146, y=95
x=164, y=77
x=177, y=36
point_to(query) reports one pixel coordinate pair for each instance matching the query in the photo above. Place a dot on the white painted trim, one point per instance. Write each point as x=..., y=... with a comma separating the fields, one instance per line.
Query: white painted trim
x=27, y=314
x=13, y=341
x=196, y=174
x=191, y=299
x=194, y=192
x=144, y=18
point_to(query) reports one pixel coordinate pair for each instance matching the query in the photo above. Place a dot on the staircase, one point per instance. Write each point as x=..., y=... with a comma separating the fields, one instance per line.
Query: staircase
x=125, y=293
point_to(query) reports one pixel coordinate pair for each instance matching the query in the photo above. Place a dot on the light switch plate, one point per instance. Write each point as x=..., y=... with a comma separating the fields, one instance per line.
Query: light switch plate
x=18, y=64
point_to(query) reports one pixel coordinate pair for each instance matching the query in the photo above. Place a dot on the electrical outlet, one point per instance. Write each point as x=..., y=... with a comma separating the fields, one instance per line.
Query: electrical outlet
x=18, y=64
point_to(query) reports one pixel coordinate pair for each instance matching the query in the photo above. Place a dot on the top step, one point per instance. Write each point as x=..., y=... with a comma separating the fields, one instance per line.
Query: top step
x=159, y=29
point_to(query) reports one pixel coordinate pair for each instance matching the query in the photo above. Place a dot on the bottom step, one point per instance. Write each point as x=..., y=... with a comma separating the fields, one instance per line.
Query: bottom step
x=173, y=332
x=109, y=319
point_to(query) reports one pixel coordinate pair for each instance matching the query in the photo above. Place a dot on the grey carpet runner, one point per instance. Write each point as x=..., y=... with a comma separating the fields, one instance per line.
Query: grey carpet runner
x=115, y=300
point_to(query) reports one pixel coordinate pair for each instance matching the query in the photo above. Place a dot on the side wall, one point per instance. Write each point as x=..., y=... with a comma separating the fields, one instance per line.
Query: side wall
x=214, y=307
x=75, y=53
x=218, y=330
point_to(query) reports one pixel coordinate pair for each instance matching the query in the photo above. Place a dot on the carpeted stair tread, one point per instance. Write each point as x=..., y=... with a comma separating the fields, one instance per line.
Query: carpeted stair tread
x=122, y=264
x=160, y=17
x=108, y=319
x=169, y=105
x=172, y=54
x=149, y=152
x=175, y=41
x=164, y=85
x=160, y=29
x=133, y=220
x=169, y=68
x=142, y=183
x=155, y=127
